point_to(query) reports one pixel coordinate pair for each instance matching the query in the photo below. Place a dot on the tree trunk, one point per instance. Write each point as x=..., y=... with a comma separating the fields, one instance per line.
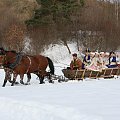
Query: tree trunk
x=65, y=43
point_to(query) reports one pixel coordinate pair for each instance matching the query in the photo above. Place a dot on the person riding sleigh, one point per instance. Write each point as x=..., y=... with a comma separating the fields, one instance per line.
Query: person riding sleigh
x=86, y=59
x=76, y=63
x=112, y=60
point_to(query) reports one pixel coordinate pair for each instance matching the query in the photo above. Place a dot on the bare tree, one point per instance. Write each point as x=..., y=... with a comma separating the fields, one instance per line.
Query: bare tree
x=14, y=37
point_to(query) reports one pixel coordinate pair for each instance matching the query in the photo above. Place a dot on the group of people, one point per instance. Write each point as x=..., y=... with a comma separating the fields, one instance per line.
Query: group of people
x=95, y=62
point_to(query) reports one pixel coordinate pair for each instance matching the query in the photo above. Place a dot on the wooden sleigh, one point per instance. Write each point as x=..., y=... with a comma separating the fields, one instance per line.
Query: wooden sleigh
x=82, y=74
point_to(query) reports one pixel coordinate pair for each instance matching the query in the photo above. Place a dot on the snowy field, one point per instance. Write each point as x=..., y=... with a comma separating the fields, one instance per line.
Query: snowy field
x=88, y=100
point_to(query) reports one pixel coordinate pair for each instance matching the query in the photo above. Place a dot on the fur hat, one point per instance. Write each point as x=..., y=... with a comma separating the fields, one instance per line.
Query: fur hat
x=87, y=50
x=2, y=51
x=74, y=55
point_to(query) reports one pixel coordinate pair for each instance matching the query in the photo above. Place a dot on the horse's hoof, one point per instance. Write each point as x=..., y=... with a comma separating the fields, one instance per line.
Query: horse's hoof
x=3, y=86
x=21, y=82
x=10, y=81
x=27, y=84
x=16, y=83
x=42, y=83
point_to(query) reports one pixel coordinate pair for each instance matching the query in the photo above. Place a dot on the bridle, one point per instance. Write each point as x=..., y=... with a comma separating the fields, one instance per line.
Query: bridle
x=5, y=60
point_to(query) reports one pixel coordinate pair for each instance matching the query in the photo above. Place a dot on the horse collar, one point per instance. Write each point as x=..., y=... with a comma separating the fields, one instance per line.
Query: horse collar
x=17, y=61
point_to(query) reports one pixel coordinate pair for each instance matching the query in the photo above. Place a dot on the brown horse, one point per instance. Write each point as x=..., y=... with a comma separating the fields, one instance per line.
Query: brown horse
x=25, y=65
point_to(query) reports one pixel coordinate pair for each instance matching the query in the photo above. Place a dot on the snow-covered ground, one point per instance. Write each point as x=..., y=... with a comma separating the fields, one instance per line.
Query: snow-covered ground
x=73, y=100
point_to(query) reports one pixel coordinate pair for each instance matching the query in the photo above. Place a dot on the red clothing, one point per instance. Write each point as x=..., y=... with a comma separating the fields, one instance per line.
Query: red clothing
x=76, y=64
x=119, y=65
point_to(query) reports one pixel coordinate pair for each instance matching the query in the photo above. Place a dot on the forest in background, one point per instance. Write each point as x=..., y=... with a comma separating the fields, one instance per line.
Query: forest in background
x=31, y=25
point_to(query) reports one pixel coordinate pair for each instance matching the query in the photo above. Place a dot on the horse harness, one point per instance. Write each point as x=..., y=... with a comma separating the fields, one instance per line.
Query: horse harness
x=17, y=61
x=29, y=64
x=18, y=58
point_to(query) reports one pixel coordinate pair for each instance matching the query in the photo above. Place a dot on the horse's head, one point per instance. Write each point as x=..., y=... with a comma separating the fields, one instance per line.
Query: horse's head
x=6, y=55
x=2, y=56
x=2, y=51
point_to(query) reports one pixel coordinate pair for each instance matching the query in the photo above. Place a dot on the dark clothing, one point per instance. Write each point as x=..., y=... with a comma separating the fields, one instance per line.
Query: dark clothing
x=111, y=66
x=83, y=66
x=112, y=59
x=86, y=60
x=112, y=62
x=119, y=65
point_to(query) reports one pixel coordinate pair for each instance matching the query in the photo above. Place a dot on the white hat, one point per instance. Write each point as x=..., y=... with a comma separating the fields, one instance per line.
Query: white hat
x=92, y=53
x=102, y=52
x=107, y=53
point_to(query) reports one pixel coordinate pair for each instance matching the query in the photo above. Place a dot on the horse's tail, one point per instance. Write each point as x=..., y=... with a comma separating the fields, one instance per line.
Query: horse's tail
x=51, y=65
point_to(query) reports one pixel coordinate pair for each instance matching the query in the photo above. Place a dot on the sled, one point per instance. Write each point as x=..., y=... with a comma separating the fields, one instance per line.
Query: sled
x=82, y=74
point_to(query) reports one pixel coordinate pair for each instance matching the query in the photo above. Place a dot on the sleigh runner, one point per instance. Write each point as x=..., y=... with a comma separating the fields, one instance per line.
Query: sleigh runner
x=82, y=74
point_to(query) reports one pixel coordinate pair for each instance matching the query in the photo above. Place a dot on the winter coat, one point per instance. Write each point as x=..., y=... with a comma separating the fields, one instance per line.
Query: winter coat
x=87, y=60
x=94, y=65
x=112, y=60
x=76, y=64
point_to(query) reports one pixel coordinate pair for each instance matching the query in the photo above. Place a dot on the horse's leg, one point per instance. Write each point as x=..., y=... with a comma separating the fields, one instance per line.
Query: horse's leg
x=5, y=80
x=50, y=78
x=41, y=78
x=8, y=76
x=28, y=78
x=14, y=79
x=21, y=78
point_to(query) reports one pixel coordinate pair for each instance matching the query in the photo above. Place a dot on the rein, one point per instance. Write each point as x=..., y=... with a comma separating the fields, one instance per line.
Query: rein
x=29, y=64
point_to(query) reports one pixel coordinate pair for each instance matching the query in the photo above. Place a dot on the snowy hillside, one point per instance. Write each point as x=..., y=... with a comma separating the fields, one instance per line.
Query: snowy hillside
x=88, y=100
x=60, y=55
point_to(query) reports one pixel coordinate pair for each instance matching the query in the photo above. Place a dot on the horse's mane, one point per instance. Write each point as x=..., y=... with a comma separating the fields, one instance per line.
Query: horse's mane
x=13, y=51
